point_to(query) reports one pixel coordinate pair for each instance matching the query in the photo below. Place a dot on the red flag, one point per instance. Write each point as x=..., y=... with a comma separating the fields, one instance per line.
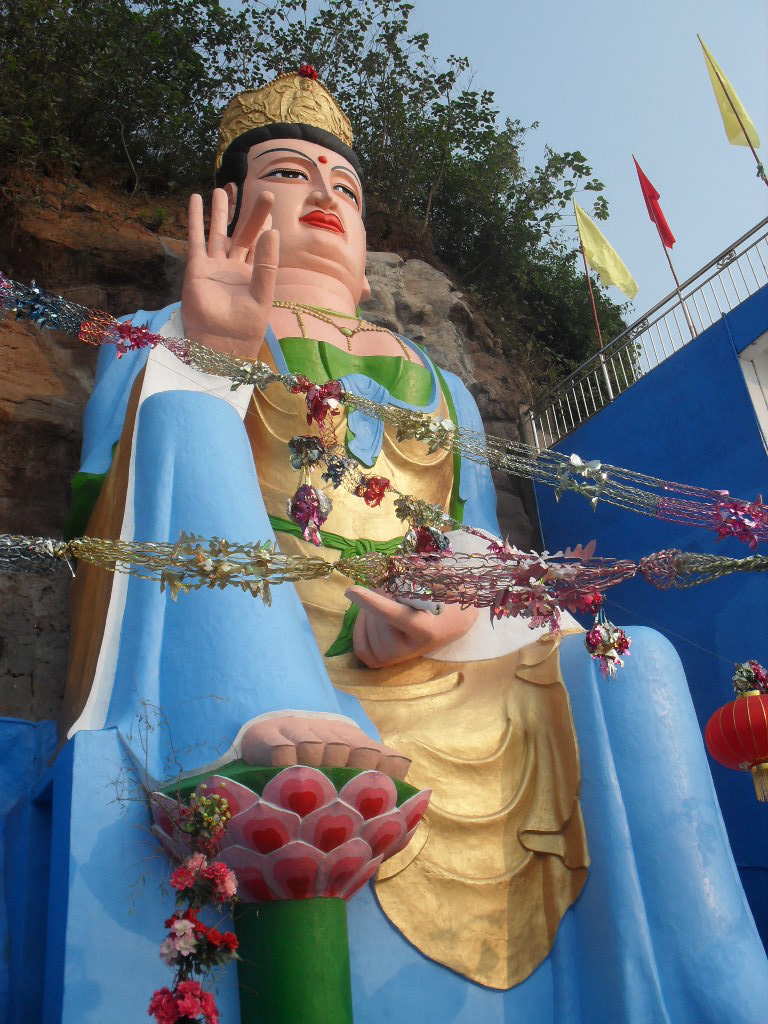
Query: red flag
x=651, y=197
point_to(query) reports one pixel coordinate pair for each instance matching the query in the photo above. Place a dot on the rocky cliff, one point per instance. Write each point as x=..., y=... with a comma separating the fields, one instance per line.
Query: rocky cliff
x=96, y=246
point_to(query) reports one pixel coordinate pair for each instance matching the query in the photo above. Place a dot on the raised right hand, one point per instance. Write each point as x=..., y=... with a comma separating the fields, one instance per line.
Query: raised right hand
x=229, y=285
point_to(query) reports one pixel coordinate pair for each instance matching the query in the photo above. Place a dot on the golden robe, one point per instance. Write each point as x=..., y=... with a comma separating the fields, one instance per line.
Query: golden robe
x=502, y=853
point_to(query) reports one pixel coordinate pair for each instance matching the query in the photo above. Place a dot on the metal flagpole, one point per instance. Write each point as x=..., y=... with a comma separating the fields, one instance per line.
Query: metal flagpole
x=686, y=314
x=760, y=169
x=597, y=322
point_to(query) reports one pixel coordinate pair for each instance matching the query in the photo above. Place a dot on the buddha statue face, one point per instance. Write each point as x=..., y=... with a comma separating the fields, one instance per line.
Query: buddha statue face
x=317, y=210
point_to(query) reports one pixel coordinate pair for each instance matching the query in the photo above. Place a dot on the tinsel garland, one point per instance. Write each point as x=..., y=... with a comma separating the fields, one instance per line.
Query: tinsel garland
x=662, y=499
x=504, y=580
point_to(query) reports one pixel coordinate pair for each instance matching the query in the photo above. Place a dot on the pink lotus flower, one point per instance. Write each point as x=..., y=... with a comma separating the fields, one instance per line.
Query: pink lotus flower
x=301, y=838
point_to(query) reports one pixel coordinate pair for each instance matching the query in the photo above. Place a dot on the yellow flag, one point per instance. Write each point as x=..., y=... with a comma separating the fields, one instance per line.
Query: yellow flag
x=601, y=255
x=731, y=109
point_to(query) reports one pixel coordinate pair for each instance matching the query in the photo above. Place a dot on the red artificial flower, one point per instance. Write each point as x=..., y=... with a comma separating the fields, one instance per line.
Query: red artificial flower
x=594, y=639
x=187, y=1000
x=622, y=641
x=183, y=878
x=222, y=879
x=192, y=1001
x=591, y=603
x=309, y=508
x=372, y=490
x=162, y=1007
x=429, y=541
x=307, y=71
x=321, y=399
x=210, y=847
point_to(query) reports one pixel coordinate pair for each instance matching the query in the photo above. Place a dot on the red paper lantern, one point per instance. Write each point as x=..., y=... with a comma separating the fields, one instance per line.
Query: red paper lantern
x=737, y=737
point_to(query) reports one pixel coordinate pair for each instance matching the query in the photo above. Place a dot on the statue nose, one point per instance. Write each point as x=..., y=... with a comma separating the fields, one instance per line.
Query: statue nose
x=322, y=197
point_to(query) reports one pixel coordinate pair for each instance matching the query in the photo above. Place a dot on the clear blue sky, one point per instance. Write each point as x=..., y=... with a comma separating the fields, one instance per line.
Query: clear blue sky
x=612, y=78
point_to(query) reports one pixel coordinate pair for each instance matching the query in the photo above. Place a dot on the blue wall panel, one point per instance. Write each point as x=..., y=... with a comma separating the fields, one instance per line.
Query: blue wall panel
x=690, y=420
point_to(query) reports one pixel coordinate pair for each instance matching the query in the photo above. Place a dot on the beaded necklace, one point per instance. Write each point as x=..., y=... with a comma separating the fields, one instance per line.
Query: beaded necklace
x=328, y=316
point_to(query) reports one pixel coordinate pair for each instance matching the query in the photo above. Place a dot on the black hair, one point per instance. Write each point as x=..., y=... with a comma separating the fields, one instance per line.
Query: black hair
x=234, y=164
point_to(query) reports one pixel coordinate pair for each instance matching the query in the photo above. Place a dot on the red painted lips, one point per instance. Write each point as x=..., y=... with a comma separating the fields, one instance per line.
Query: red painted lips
x=318, y=219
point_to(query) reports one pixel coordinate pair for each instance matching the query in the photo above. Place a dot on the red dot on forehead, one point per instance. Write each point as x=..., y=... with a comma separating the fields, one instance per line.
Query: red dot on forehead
x=322, y=159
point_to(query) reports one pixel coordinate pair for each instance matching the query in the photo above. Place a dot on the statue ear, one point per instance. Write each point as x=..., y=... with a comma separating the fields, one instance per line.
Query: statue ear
x=365, y=293
x=231, y=189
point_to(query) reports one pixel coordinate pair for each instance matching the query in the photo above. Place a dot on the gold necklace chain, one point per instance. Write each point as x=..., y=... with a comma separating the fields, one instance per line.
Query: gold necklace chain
x=328, y=316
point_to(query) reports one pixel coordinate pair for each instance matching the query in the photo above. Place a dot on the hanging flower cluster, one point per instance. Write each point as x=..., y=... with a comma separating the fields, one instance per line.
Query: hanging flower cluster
x=322, y=399
x=310, y=508
x=187, y=1002
x=750, y=675
x=606, y=643
x=425, y=540
x=192, y=833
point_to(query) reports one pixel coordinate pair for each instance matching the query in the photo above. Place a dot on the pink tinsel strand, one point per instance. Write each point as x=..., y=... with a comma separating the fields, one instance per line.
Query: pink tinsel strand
x=102, y=329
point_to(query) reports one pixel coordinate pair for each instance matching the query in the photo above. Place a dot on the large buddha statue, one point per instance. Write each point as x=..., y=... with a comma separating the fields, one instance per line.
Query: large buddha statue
x=489, y=915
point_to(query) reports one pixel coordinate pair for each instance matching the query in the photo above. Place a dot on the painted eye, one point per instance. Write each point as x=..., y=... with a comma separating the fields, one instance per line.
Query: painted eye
x=347, y=192
x=287, y=172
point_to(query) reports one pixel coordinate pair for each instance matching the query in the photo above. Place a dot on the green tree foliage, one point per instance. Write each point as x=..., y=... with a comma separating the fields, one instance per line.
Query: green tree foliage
x=137, y=84
x=140, y=85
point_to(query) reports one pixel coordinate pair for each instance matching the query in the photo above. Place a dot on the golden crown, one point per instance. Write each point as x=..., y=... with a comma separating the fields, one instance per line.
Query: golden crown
x=296, y=97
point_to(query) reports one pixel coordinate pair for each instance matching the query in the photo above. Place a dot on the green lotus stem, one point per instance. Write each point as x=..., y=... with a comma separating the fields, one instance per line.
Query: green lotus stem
x=294, y=962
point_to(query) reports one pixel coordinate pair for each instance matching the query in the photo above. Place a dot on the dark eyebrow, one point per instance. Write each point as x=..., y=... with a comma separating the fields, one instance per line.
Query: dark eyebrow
x=349, y=171
x=285, y=149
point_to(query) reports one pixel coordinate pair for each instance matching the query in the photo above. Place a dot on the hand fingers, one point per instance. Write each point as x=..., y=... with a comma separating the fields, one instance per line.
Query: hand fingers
x=265, y=259
x=377, y=644
x=218, y=242
x=247, y=230
x=398, y=616
x=195, y=226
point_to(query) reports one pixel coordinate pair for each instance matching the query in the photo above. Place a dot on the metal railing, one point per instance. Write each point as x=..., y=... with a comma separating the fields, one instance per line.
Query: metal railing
x=701, y=301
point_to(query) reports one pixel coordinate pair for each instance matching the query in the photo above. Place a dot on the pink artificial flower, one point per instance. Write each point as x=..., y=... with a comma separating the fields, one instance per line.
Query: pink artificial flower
x=192, y=1001
x=185, y=944
x=223, y=880
x=168, y=952
x=182, y=926
x=187, y=874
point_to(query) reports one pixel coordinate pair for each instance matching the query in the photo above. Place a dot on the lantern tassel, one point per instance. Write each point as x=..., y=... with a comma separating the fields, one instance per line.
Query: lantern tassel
x=760, y=777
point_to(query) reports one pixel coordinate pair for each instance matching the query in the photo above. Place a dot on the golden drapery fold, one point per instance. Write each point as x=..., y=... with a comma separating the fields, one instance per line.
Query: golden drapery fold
x=503, y=852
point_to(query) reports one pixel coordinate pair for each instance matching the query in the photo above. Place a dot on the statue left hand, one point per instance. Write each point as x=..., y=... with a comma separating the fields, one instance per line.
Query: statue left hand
x=387, y=632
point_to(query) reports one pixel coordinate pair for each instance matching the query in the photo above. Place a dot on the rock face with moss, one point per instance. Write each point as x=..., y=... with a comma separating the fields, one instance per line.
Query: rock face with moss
x=96, y=247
